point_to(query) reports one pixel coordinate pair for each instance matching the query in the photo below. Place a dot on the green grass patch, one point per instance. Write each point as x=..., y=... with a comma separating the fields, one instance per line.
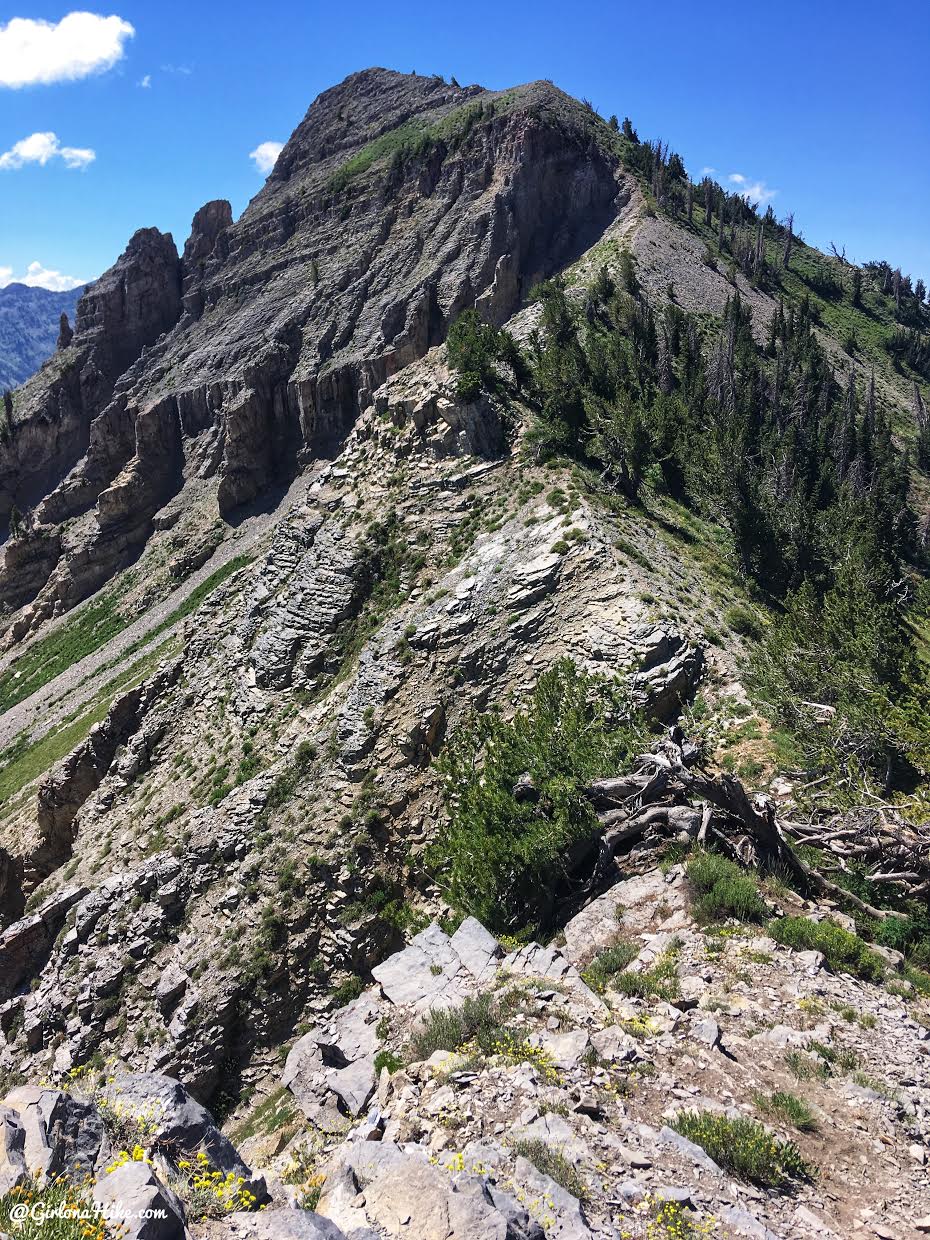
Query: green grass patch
x=724, y=890
x=481, y=1019
x=277, y=1111
x=194, y=599
x=837, y=1060
x=403, y=141
x=554, y=1164
x=416, y=138
x=387, y=1059
x=743, y=621
x=788, y=1108
x=90, y=628
x=608, y=963
x=659, y=982
x=21, y=762
x=744, y=1148
x=843, y=952
x=33, y=760
x=805, y=1067
x=348, y=990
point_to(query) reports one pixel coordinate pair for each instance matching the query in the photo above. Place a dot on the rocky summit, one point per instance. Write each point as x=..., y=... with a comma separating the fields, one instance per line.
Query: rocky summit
x=463, y=757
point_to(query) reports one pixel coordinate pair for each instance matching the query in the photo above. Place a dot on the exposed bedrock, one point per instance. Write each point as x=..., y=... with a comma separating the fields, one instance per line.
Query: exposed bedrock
x=257, y=350
x=126, y=310
x=69, y=784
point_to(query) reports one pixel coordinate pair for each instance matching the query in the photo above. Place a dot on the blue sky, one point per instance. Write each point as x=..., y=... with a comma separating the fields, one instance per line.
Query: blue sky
x=824, y=104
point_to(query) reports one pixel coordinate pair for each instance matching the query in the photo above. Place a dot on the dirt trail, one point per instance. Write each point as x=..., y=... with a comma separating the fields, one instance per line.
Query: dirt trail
x=77, y=684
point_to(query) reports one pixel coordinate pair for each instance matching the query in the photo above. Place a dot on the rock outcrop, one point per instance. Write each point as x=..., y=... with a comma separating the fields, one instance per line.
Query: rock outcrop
x=323, y=568
x=350, y=264
x=127, y=309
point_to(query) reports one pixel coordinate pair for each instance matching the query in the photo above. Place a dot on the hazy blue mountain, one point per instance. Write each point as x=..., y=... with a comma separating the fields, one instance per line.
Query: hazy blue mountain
x=29, y=319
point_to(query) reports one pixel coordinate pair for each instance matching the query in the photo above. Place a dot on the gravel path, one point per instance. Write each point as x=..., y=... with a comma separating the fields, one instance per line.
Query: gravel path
x=78, y=683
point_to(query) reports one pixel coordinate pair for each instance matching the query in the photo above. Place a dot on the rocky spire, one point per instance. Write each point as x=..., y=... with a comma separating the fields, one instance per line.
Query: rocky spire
x=208, y=230
x=65, y=332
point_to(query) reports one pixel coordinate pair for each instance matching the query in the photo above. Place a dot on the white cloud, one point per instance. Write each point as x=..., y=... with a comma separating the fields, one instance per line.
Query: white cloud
x=38, y=276
x=34, y=51
x=145, y=82
x=752, y=191
x=707, y=171
x=265, y=155
x=41, y=148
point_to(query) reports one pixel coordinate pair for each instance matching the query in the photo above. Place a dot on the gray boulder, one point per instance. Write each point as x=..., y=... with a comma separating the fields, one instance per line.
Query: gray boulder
x=133, y=1196
x=613, y=1044
x=568, y=1221
x=416, y=1199
x=303, y=1070
x=405, y=1195
x=478, y=949
x=174, y=1120
x=63, y=1134
x=427, y=973
x=12, y=1147
x=352, y=1031
x=354, y=1085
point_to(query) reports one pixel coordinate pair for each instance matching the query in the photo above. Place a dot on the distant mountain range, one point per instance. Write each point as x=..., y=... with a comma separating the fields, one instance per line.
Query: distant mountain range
x=29, y=320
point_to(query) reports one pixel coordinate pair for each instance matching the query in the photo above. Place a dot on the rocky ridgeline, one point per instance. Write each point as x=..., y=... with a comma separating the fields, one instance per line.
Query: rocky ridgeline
x=257, y=348
x=136, y=935
x=233, y=836
x=556, y=1119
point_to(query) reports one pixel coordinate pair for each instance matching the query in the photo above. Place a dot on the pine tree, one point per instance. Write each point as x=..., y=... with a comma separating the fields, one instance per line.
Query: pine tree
x=923, y=431
x=789, y=237
x=856, y=291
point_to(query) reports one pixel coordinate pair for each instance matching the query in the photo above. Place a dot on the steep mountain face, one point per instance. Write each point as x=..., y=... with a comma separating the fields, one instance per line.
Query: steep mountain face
x=330, y=281
x=325, y=548
x=30, y=323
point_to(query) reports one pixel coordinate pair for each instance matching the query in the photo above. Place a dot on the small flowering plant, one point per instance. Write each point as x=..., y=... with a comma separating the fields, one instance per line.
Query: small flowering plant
x=59, y=1208
x=207, y=1192
x=656, y=1218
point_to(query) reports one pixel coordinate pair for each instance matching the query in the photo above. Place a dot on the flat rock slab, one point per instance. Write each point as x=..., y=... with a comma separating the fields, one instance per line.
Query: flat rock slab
x=478, y=949
x=175, y=1119
x=554, y=1131
x=438, y=971
x=354, y=1084
x=285, y=1224
x=627, y=908
x=565, y=1049
x=697, y=1154
x=60, y=1130
x=565, y=1211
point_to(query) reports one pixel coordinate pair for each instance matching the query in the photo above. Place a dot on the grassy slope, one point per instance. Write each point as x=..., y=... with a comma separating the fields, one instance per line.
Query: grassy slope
x=92, y=627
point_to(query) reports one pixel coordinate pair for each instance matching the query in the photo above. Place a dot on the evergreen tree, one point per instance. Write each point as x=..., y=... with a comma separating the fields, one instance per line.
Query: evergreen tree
x=789, y=238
